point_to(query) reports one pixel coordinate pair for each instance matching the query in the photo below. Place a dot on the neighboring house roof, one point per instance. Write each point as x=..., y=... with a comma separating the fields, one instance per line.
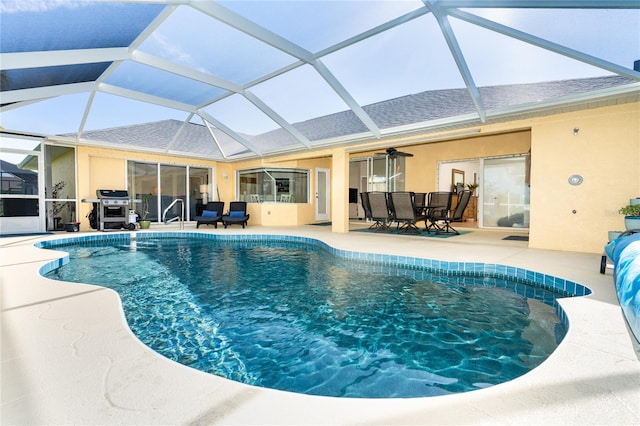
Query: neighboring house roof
x=173, y=136
x=13, y=170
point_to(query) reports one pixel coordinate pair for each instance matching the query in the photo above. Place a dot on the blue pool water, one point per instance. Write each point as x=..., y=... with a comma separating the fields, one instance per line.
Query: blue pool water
x=293, y=316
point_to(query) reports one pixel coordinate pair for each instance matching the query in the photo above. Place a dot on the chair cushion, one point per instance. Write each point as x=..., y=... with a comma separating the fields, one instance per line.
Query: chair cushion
x=209, y=213
x=236, y=214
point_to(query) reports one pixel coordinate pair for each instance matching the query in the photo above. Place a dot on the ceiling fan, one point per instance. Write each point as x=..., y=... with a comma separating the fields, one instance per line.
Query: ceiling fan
x=393, y=153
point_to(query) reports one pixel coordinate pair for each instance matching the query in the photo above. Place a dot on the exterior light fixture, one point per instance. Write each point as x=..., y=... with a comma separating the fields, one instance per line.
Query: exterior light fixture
x=576, y=130
x=575, y=180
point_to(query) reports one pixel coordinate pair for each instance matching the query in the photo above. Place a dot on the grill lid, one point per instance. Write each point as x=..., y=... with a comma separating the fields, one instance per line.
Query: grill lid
x=112, y=193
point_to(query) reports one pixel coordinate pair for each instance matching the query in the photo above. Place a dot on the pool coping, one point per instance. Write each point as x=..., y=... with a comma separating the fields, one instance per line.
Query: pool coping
x=591, y=377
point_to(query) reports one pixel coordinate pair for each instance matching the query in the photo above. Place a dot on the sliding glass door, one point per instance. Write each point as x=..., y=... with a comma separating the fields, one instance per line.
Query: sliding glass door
x=163, y=184
x=505, y=194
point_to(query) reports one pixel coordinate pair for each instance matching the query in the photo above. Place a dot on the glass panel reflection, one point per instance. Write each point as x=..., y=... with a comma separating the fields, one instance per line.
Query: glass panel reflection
x=210, y=46
x=64, y=25
x=164, y=84
x=28, y=78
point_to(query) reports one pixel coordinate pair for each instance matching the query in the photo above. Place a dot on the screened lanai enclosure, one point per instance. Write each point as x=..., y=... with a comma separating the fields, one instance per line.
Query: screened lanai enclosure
x=235, y=80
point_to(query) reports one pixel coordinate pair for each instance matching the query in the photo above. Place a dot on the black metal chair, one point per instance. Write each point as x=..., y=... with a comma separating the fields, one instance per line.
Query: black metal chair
x=420, y=198
x=364, y=197
x=380, y=211
x=438, y=206
x=456, y=216
x=405, y=212
x=211, y=215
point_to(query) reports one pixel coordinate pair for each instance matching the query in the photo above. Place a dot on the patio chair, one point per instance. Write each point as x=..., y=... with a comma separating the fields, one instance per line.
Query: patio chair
x=420, y=199
x=381, y=212
x=364, y=197
x=237, y=214
x=438, y=206
x=211, y=215
x=405, y=213
x=456, y=216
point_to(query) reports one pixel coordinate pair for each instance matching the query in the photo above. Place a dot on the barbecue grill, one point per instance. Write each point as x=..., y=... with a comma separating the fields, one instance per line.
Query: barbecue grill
x=111, y=210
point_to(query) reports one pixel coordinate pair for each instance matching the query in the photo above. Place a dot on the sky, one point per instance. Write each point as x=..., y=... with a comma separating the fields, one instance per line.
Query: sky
x=410, y=58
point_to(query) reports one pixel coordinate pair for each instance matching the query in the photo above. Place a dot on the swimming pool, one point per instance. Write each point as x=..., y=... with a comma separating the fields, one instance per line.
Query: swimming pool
x=342, y=321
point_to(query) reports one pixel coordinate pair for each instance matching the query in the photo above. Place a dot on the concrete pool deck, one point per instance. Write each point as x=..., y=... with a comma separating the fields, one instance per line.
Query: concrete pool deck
x=68, y=356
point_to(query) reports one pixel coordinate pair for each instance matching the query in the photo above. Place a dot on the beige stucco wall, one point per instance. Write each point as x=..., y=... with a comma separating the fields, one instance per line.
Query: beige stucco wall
x=422, y=168
x=606, y=152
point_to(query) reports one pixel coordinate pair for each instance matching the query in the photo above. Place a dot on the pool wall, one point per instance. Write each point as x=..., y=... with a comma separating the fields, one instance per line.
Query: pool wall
x=530, y=280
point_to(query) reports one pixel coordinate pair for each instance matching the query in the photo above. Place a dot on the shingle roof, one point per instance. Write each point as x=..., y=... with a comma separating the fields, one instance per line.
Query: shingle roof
x=195, y=139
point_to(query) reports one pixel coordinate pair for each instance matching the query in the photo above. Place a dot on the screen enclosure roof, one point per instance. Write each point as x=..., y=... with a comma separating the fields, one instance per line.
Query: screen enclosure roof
x=230, y=80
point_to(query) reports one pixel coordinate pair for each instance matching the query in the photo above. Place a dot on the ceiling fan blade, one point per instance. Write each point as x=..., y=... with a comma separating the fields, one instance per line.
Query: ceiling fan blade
x=393, y=153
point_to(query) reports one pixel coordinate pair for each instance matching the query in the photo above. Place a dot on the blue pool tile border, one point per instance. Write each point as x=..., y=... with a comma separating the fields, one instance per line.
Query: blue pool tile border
x=453, y=268
x=531, y=279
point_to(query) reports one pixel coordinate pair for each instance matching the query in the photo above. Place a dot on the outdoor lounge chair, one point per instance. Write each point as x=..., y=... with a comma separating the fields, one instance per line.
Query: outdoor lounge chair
x=405, y=213
x=237, y=214
x=211, y=215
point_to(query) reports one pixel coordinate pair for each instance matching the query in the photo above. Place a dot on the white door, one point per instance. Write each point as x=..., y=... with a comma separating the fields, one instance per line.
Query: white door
x=322, y=194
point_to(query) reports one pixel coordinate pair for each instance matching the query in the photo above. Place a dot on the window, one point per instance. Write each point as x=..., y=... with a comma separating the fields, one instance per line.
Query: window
x=274, y=185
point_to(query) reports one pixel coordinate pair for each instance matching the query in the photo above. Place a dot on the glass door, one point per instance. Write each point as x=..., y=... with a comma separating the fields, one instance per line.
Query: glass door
x=173, y=185
x=322, y=194
x=199, y=190
x=505, y=194
x=377, y=174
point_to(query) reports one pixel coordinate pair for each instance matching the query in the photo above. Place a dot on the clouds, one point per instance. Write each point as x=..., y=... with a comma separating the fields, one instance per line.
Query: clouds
x=167, y=48
x=20, y=6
